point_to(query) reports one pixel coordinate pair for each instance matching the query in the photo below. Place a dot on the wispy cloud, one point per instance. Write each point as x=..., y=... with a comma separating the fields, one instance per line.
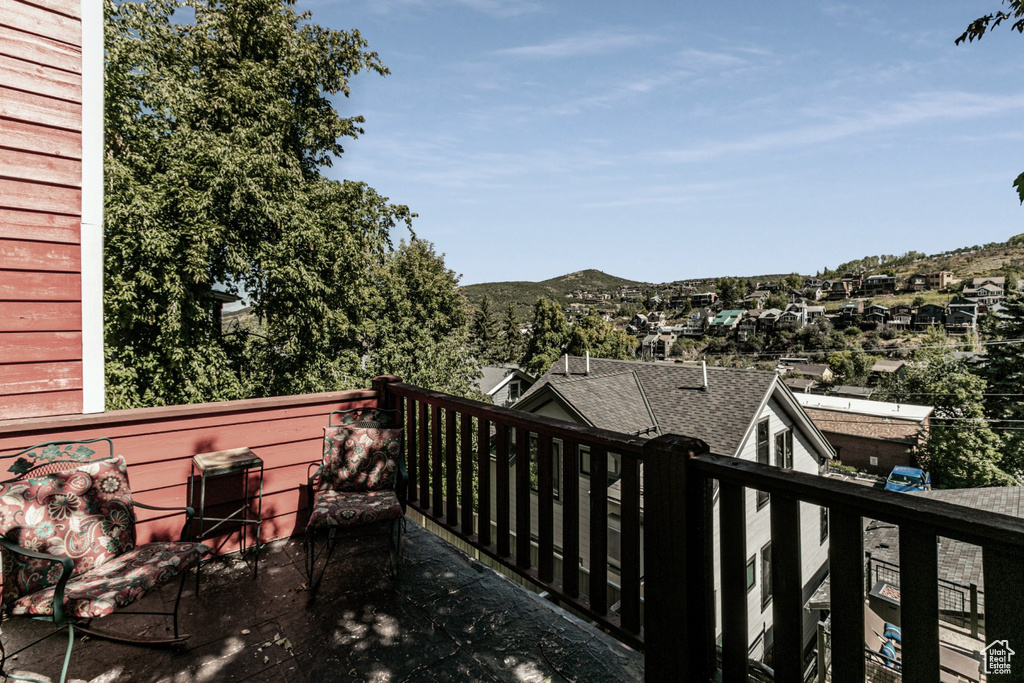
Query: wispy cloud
x=582, y=45
x=918, y=109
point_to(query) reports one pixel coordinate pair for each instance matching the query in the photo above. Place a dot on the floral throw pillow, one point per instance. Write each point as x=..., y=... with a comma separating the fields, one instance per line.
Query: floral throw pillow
x=360, y=458
x=83, y=513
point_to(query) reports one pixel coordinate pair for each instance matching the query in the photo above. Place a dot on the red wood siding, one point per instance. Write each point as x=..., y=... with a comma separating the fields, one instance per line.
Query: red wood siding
x=159, y=443
x=40, y=208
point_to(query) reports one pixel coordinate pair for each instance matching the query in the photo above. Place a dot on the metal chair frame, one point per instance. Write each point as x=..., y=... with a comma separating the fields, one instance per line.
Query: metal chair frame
x=57, y=456
x=315, y=549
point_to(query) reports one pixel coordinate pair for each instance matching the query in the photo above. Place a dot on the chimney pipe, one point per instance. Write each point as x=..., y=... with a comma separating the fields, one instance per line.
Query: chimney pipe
x=588, y=363
x=566, y=365
x=704, y=367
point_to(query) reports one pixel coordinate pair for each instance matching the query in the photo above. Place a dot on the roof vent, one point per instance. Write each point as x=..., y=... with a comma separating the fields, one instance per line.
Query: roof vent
x=566, y=365
x=588, y=363
x=704, y=367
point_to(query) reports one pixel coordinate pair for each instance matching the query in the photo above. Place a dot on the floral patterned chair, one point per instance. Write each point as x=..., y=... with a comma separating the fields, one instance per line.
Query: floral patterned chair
x=67, y=540
x=359, y=486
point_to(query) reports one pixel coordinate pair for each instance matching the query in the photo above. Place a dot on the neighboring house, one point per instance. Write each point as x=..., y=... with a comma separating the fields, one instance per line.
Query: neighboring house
x=703, y=299
x=901, y=316
x=961, y=316
x=872, y=436
x=847, y=391
x=757, y=298
x=850, y=311
x=821, y=373
x=747, y=327
x=725, y=322
x=696, y=324
x=887, y=367
x=917, y=282
x=800, y=385
x=876, y=314
x=986, y=291
x=929, y=315
x=505, y=384
x=940, y=279
x=745, y=414
x=879, y=285
x=768, y=319
x=795, y=314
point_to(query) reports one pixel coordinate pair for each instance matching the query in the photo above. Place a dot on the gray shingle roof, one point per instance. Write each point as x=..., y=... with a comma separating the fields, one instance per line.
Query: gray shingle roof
x=719, y=416
x=958, y=561
x=613, y=402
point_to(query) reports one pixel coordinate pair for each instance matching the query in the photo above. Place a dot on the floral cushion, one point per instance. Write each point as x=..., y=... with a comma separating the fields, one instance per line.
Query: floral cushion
x=348, y=417
x=353, y=508
x=360, y=458
x=83, y=513
x=117, y=583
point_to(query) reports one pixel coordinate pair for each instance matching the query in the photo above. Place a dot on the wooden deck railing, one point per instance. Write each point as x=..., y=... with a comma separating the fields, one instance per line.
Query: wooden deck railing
x=921, y=522
x=449, y=446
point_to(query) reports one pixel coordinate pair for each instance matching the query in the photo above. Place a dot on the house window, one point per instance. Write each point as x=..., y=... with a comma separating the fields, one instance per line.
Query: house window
x=824, y=524
x=784, y=449
x=762, y=456
x=513, y=391
x=766, y=575
x=584, y=460
x=751, y=573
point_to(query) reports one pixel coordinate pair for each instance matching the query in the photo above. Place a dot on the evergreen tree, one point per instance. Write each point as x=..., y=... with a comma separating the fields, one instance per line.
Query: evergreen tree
x=1003, y=369
x=483, y=332
x=511, y=338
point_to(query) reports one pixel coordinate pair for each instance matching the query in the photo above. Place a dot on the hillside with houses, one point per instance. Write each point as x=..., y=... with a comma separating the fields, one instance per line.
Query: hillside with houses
x=830, y=329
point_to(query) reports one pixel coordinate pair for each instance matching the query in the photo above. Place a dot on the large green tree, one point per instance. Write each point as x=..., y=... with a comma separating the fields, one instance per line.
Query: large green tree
x=962, y=450
x=219, y=123
x=417, y=292
x=553, y=335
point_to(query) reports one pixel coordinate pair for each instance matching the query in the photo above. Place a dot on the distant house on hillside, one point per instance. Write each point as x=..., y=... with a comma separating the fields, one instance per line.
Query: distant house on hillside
x=961, y=316
x=879, y=285
x=725, y=322
x=940, y=279
x=986, y=291
x=703, y=300
x=917, y=282
x=929, y=315
x=745, y=414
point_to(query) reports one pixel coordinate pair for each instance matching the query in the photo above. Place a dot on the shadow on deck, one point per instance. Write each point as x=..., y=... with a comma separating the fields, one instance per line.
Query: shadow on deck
x=446, y=618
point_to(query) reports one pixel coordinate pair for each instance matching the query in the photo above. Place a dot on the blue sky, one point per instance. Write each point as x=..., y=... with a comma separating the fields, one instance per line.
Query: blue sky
x=667, y=140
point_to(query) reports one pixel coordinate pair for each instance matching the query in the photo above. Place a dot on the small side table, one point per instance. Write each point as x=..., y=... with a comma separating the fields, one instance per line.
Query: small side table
x=219, y=463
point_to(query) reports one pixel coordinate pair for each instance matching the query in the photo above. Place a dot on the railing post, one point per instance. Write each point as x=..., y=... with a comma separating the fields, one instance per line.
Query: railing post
x=1003, y=569
x=868, y=579
x=678, y=582
x=974, y=609
x=385, y=399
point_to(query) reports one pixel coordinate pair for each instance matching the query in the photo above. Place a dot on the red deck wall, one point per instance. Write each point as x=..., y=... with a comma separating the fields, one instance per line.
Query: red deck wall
x=40, y=208
x=158, y=443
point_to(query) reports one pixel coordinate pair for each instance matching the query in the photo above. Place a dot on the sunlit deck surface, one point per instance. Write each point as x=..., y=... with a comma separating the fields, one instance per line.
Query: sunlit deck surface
x=446, y=618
